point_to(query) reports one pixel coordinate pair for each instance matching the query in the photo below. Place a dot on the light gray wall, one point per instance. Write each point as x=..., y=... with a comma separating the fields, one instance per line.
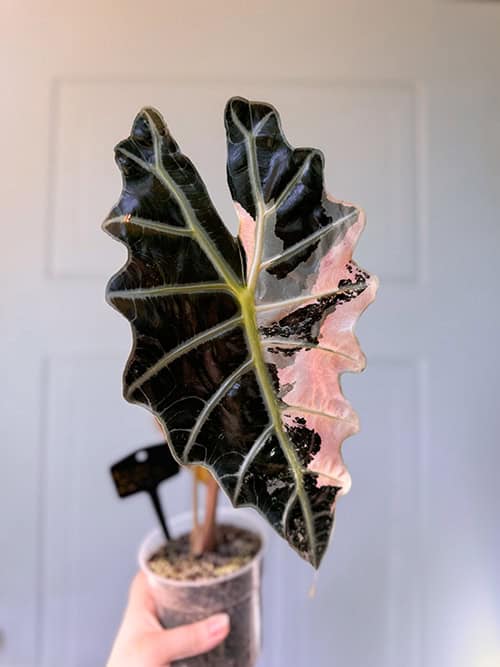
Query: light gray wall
x=404, y=100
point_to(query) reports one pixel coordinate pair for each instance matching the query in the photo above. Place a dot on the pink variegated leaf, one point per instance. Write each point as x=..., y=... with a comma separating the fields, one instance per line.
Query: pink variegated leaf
x=239, y=343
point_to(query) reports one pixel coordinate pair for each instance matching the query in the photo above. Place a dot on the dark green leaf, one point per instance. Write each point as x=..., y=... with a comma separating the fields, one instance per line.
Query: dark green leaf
x=239, y=343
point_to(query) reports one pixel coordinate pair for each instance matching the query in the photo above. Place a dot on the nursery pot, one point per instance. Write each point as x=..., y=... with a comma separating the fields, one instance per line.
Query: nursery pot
x=238, y=594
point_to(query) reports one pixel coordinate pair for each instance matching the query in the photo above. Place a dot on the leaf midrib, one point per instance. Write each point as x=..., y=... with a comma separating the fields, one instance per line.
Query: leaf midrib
x=252, y=333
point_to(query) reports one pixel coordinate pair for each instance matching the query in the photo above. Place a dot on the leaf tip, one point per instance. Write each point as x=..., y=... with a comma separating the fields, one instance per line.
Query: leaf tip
x=148, y=120
x=247, y=116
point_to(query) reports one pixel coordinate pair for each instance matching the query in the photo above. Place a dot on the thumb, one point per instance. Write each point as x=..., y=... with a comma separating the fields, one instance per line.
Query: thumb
x=189, y=640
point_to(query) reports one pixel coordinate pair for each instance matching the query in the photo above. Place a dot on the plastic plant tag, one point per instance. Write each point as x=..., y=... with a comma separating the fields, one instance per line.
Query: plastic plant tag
x=144, y=470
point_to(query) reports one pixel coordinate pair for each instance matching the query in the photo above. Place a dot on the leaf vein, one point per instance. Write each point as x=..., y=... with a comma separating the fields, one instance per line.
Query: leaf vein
x=319, y=413
x=287, y=342
x=212, y=404
x=166, y=290
x=251, y=454
x=178, y=351
x=303, y=243
x=160, y=227
x=303, y=298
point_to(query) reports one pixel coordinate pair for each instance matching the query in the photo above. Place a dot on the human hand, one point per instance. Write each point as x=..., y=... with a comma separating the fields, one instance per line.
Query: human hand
x=142, y=641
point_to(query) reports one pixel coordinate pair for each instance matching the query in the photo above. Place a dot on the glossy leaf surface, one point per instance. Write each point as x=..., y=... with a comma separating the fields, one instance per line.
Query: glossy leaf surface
x=239, y=343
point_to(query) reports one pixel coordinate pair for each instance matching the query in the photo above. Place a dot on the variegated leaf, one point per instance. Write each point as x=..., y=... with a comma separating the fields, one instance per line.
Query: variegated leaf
x=239, y=343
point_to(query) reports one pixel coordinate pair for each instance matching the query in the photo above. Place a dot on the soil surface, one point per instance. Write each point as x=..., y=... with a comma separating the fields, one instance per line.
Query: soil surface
x=235, y=548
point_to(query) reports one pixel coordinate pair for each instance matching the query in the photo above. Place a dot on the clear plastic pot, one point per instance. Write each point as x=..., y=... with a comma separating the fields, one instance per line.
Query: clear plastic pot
x=238, y=594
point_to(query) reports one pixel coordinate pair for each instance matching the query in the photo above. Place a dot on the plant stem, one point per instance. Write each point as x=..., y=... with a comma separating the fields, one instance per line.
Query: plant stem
x=203, y=537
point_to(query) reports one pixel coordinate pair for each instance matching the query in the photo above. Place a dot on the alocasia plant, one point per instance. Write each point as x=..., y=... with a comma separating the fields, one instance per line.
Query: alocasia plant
x=239, y=343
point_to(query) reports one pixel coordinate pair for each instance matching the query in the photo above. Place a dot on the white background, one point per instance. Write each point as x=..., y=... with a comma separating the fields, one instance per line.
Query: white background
x=404, y=99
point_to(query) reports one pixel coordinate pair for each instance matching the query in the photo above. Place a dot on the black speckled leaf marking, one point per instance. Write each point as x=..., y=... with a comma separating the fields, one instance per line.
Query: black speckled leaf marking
x=239, y=343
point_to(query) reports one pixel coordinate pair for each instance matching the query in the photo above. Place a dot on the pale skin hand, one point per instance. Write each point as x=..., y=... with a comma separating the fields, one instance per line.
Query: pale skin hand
x=142, y=642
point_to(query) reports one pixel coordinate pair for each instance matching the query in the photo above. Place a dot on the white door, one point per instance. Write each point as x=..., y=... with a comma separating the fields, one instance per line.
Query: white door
x=403, y=98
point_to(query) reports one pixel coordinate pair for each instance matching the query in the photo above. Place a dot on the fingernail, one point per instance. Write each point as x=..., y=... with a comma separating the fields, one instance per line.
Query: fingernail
x=218, y=624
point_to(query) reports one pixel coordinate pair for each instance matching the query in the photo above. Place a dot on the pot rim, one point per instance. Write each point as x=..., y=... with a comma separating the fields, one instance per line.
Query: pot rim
x=238, y=517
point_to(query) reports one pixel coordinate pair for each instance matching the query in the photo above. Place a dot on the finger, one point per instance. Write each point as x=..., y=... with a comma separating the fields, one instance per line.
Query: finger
x=189, y=640
x=139, y=593
x=141, y=606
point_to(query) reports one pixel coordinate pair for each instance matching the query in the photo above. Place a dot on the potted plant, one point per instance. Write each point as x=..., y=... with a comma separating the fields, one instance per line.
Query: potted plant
x=238, y=343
